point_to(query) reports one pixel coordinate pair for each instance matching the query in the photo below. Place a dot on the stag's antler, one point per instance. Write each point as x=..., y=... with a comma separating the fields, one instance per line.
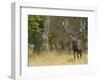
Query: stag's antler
x=66, y=29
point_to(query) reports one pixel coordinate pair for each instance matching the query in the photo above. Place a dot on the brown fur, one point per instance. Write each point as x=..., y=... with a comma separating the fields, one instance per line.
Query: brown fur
x=77, y=50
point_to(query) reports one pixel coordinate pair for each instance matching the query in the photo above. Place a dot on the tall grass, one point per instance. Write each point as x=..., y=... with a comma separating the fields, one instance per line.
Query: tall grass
x=53, y=58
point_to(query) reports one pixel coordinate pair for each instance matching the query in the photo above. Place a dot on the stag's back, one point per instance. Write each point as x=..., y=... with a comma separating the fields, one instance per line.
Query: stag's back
x=79, y=44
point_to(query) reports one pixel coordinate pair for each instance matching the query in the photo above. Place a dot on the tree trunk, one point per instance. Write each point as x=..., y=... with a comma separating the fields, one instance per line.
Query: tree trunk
x=46, y=23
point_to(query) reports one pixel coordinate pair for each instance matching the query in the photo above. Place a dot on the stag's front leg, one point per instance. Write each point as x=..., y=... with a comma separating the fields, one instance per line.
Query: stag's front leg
x=80, y=53
x=74, y=55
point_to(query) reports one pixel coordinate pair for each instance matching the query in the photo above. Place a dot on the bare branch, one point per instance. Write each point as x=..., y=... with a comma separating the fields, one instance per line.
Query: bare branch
x=83, y=25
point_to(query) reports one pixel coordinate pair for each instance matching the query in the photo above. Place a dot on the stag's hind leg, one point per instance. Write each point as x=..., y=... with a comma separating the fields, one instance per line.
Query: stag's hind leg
x=79, y=55
x=74, y=52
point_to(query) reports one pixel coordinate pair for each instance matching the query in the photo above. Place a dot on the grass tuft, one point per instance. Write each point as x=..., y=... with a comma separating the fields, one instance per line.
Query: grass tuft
x=53, y=58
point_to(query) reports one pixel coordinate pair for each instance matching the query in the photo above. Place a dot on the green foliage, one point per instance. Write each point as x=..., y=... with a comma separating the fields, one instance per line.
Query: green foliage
x=35, y=31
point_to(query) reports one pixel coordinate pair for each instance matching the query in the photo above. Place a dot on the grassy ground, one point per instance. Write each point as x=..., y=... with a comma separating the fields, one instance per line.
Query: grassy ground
x=53, y=58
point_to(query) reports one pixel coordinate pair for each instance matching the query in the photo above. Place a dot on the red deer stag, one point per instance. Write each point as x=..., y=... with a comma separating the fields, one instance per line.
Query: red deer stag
x=76, y=42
